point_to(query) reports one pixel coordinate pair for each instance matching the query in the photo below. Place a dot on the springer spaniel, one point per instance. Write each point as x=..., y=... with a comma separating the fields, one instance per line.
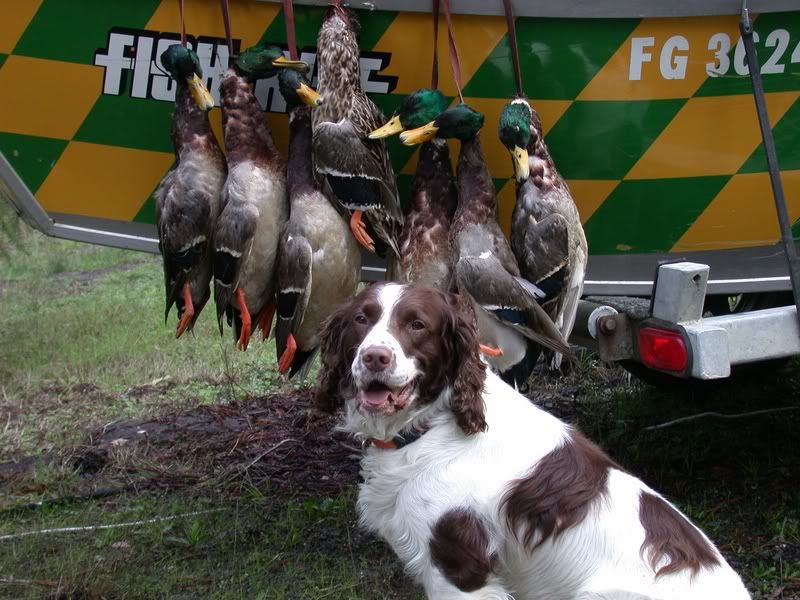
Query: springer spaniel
x=479, y=492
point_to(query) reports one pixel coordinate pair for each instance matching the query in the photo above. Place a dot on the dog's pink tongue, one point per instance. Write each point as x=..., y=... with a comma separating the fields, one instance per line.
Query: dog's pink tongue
x=375, y=397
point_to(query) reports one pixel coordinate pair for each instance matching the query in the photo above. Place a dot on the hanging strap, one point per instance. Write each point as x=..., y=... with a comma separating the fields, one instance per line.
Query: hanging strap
x=435, y=73
x=226, y=18
x=455, y=63
x=183, y=24
x=512, y=40
x=291, y=40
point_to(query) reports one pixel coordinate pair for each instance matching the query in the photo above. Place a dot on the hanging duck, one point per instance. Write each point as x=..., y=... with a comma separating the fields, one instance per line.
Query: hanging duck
x=254, y=201
x=319, y=263
x=424, y=240
x=546, y=232
x=187, y=199
x=511, y=323
x=354, y=169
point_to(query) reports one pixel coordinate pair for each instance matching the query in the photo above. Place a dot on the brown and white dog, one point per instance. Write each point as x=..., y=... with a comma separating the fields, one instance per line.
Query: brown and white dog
x=479, y=492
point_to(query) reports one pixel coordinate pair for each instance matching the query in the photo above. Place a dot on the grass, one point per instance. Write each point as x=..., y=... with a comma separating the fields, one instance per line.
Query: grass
x=256, y=547
x=83, y=343
x=82, y=327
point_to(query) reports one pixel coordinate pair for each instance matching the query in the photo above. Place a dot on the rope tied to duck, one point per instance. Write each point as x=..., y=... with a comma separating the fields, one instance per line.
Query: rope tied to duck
x=455, y=62
x=435, y=73
x=183, y=23
x=512, y=41
x=226, y=18
x=291, y=38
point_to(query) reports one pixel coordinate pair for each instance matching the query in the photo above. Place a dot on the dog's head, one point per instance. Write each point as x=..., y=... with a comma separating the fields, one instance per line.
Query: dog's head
x=393, y=350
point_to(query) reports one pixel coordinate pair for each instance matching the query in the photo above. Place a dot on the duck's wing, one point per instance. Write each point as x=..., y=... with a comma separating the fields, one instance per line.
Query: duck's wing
x=356, y=171
x=545, y=257
x=573, y=292
x=294, y=286
x=502, y=296
x=233, y=241
x=348, y=161
x=182, y=220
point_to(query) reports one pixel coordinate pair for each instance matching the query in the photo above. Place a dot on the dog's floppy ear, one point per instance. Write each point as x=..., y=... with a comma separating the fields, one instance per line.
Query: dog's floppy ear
x=468, y=371
x=333, y=362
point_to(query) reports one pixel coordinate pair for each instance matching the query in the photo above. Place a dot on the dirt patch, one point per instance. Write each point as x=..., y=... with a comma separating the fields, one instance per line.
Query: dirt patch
x=280, y=441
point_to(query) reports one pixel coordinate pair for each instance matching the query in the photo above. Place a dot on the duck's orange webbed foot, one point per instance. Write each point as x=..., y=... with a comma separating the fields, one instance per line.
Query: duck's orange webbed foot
x=247, y=322
x=188, y=311
x=265, y=322
x=288, y=355
x=359, y=229
x=489, y=351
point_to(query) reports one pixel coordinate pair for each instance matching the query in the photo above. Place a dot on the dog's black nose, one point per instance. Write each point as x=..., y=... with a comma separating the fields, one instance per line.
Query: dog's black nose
x=376, y=358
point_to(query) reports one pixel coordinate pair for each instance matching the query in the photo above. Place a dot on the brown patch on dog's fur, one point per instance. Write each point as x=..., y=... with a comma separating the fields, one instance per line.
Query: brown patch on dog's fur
x=460, y=549
x=557, y=494
x=669, y=534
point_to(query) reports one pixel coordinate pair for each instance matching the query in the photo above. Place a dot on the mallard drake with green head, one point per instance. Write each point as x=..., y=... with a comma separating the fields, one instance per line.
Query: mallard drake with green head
x=425, y=255
x=319, y=262
x=546, y=232
x=355, y=169
x=511, y=323
x=254, y=201
x=187, y=199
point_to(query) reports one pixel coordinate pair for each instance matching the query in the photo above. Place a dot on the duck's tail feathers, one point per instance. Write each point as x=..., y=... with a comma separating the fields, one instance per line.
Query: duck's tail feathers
x=226, y=266
x=175, y=271
x=173, y=288
x=385, y=231
x=294, y=286
x=543, y=331
x=519, y=374
x=198, y=308
x=302, y=363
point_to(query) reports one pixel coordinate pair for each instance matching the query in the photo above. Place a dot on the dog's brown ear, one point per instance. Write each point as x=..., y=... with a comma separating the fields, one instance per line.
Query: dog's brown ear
x=333, y=363
x=468, y=371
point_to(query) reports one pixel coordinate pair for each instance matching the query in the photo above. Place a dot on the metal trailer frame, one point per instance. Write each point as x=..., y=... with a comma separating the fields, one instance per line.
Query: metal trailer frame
x=714, y=344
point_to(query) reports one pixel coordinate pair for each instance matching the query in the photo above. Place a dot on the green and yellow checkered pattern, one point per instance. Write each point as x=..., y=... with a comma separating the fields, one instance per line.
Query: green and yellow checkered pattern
x=655, y=164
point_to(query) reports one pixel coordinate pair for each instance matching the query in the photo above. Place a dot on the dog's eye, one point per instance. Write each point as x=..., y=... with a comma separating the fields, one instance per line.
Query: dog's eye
x=361, y=319
x=417, y=325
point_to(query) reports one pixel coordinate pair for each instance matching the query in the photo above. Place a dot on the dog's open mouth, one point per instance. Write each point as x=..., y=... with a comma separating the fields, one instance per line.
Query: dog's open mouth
x=379, y=397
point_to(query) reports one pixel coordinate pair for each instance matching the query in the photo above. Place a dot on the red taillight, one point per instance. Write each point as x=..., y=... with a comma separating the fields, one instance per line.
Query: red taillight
x=662, y=349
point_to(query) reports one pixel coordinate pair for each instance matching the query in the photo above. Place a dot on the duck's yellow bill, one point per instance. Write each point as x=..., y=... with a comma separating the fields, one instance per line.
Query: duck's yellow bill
x=308, y=95
x=200, y=93
x=522, y=168
x=419, y=135
x=393, y=126
x=282, y=61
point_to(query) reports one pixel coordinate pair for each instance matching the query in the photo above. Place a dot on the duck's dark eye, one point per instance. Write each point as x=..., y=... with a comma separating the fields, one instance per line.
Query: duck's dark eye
x=361, y=319
x=417, y=325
